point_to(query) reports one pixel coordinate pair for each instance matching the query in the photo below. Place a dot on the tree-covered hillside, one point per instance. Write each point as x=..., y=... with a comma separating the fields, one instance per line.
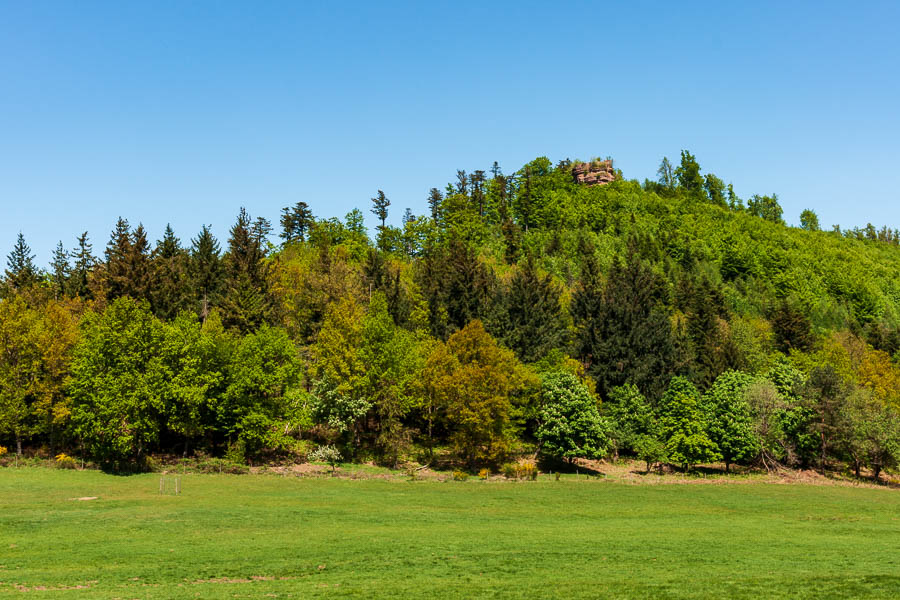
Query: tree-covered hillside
x=531, y=311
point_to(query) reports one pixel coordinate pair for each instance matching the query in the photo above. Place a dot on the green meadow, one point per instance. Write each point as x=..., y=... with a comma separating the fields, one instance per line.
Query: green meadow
x=258, y=536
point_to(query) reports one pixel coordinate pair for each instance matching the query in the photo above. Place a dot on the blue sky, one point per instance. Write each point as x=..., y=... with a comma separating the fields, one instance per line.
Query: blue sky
x=182, y=112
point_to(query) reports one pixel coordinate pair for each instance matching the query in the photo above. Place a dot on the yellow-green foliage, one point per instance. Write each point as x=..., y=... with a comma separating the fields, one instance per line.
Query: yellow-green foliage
x=64, y=461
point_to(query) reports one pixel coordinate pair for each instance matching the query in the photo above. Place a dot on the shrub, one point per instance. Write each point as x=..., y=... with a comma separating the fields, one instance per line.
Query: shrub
x=236, y=452
x=3, y=451
x=460, y=476
x=484, y=474
x=522, y=470
x=326, y=454
x=64, y=461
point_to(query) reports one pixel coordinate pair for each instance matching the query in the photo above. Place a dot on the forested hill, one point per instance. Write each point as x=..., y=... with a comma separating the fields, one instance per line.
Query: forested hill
x=472, y=332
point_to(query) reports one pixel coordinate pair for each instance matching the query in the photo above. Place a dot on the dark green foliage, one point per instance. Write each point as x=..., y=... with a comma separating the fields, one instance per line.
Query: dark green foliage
x=530, y=321
x=60, y=271
x=246, y=303
x=83, y=266
x=205, y=271
x=20, y=270
x=624, y=331
x=792, y=328
x=458, y=288
x=434, y=202
x=295, y=222
x=171, y=292
x=570, y=424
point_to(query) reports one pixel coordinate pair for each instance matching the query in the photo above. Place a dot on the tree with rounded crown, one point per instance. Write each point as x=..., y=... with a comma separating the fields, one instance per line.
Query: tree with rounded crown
x=571, y=426
x=684, y=426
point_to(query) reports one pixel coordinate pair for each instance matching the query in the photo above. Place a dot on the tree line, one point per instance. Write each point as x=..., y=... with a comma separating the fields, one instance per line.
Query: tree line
x=668, y=320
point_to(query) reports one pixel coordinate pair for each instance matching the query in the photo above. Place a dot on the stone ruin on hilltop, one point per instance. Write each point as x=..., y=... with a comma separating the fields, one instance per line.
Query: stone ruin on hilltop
x=596, y=172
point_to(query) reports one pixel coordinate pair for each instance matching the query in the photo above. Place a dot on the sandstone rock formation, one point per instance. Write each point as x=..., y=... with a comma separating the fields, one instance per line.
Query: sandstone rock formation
x=597, y=172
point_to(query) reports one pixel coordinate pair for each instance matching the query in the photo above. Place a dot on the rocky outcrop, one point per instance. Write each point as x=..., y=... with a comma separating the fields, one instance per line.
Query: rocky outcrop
x=597, y=172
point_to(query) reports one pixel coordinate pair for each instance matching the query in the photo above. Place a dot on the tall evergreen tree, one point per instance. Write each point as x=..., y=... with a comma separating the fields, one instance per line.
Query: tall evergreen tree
x=20, y=270
x=171, y=293
x=118, y=249
x=434, y=202
x=531, y=321
x=380, y=204
x=83, y=266
x=139, y=274
x=246, y=301
x=205, y=270
x=625, y=334
x=60, y=271
x=295, y=222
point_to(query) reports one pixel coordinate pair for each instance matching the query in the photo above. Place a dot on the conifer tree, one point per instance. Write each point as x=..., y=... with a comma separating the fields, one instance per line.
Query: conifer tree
x=20, y=270
x=295, y=222
x=531, y=323
x=170, y=266
x=380, y=204
x=434, y=202
x=205, y=271
x=60, y=271
x=246, y=302
x=83, y=266
x=118, y=249
x=624, y=334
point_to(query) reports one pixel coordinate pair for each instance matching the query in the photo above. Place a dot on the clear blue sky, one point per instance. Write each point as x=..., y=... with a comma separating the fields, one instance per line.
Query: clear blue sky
x=182, y=112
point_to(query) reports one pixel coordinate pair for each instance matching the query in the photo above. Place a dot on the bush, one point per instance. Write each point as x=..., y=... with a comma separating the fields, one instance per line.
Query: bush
x=3, y=451
x=484, y=474
x=460, y=476
x=326, y=454
x=522, y=470
x=64, y=461
x=236, y=453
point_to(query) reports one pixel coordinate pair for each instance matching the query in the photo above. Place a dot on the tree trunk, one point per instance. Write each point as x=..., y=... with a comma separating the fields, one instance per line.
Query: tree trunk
x=727, y=467
x=18, y=446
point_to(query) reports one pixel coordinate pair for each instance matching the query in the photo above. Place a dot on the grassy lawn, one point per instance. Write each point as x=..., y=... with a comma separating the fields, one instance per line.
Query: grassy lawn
x=265, y=536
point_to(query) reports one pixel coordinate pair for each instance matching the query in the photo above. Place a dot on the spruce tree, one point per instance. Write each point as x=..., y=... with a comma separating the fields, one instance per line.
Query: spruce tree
x=205, y=271
x=60, y=271
x=434, y=202
x=20, y=270
x=118, y=249
x=83, y=266
x=246, y=303
x=170, y=266
x=624, y=333
x=531, y=323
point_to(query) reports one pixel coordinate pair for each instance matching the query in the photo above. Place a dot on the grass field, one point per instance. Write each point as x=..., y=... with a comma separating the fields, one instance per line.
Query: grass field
x=258, y=536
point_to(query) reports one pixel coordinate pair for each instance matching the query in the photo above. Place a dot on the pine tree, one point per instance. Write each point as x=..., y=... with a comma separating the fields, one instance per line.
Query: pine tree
x=205, y=270
x=60, y=271
x=380, y=204
x=20, y=270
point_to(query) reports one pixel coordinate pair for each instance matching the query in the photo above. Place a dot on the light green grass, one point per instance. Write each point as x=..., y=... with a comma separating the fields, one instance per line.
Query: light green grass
x=375, y=538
